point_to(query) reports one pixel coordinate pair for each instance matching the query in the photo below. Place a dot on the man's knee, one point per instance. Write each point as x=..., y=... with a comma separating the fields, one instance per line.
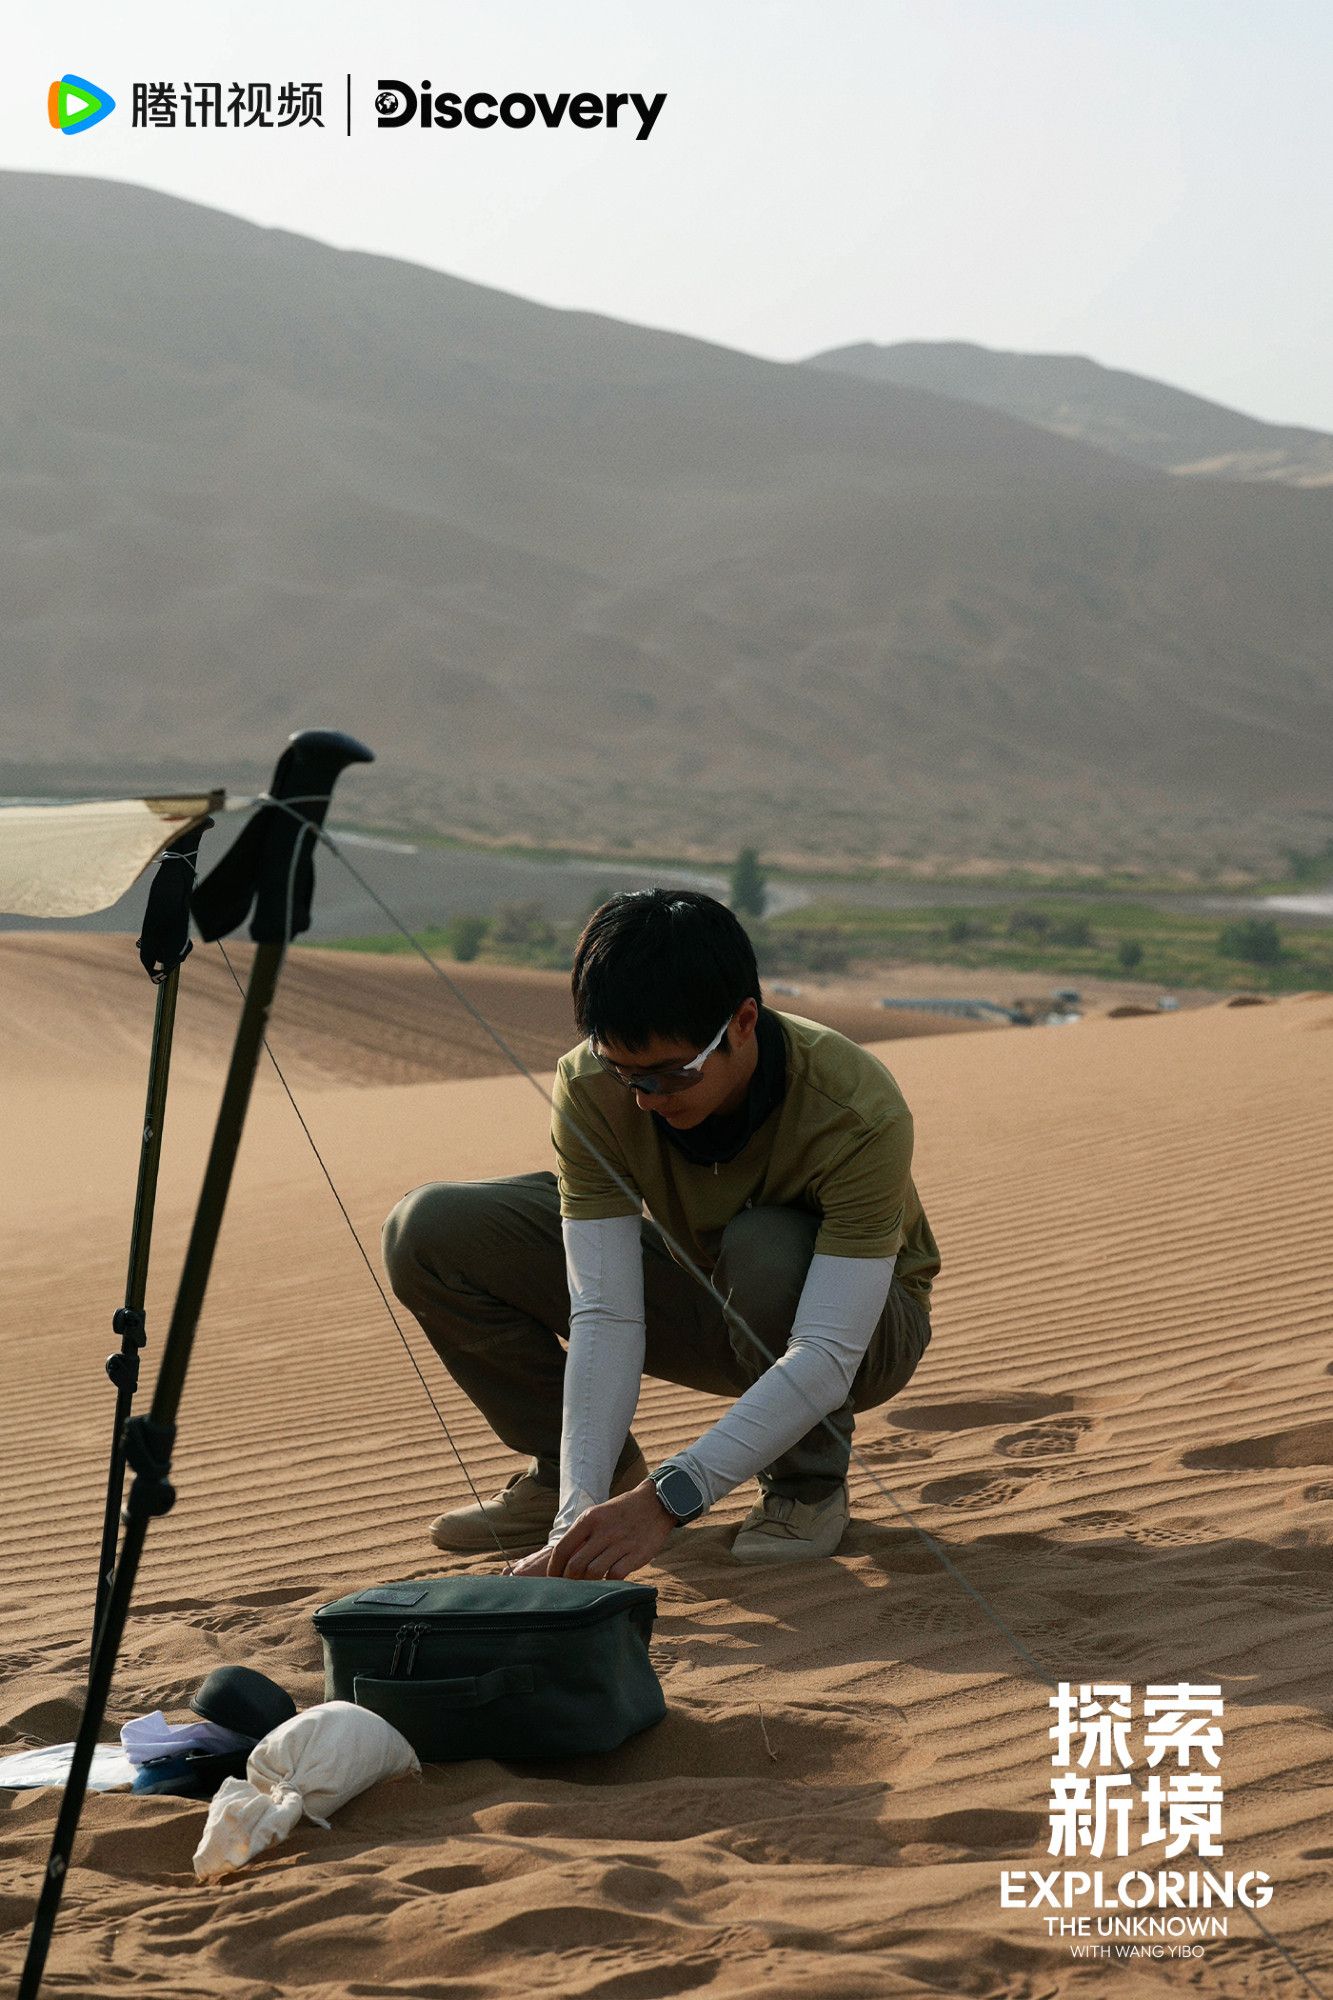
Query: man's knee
x=424, y=1231
x=453, y=1229
x=470, y=1233
x=893, y=1358
x=762, y=1268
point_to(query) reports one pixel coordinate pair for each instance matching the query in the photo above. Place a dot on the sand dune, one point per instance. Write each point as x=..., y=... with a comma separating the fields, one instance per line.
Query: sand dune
x=81, y=1000
x=1121, y=1434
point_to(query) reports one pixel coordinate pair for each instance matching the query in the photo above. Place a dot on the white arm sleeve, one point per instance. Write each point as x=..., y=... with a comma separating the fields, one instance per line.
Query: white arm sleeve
x=604, y=1365
x=840, y=1306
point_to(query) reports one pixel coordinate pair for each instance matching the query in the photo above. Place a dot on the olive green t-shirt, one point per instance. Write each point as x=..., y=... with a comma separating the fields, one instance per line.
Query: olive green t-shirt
x=838, y=1146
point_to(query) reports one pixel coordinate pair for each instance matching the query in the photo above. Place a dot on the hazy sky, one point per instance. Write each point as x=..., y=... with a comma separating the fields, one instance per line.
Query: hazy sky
x=1143, y=181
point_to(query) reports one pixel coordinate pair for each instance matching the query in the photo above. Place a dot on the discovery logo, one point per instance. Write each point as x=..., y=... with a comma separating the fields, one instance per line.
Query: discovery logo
x=398, y=104
x=75, y=105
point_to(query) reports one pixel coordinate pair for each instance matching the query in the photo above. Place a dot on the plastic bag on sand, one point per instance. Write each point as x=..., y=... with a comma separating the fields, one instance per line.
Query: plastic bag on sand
x=312, y=1765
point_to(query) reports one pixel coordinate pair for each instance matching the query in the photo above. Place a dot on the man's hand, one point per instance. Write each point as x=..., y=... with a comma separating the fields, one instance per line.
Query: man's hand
x=609, y=1540
x=533, y=1565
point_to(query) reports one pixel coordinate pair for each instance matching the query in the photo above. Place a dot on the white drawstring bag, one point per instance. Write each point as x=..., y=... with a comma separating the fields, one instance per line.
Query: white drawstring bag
x=310, y=1765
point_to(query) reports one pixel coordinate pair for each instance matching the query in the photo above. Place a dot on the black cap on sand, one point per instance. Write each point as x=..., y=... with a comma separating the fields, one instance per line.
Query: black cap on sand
x=242, y=1699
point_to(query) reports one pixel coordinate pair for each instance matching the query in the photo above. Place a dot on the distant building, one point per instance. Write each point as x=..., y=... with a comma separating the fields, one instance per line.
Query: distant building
x=1021, y=1013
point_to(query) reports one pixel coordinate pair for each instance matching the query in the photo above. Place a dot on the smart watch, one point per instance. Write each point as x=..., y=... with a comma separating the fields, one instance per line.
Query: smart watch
x=678, y=1492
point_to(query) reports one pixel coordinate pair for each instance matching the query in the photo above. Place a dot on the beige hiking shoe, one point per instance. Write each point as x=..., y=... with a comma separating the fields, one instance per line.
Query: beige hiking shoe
x=778, y=1530
x=519, y=1516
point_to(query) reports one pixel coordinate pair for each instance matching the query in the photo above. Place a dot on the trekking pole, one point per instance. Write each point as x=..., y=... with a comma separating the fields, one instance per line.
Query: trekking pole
x=163, y=947
x=269, y=867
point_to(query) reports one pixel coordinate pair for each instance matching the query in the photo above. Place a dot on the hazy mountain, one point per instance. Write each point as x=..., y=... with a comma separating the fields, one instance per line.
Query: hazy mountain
x=1131, y=415
x=582, y=581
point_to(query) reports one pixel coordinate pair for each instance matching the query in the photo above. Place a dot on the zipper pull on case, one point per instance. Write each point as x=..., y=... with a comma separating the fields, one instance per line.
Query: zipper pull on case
x=409, y=1636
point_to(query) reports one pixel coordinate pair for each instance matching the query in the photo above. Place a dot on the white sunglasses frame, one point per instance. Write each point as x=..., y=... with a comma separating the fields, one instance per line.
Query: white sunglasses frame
x=691, y=1068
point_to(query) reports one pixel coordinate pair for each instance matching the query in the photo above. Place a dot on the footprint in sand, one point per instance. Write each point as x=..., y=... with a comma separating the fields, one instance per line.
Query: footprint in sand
x=1309, y=1566
x=1076, y=1641
x=900, y=1449
x=1094, y=1519
x=987, y=1830
x=1050, y=1440
x=944, y=1620
x=1304, y=1444
x=978, y=1415
x=976, y=1490
x=1178, y=1533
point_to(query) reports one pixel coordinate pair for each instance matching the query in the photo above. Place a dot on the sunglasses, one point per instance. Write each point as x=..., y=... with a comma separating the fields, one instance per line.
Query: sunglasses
x=663, y=1082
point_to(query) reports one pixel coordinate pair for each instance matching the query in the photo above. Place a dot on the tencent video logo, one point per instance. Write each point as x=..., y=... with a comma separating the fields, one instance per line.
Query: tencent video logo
x=75, y=105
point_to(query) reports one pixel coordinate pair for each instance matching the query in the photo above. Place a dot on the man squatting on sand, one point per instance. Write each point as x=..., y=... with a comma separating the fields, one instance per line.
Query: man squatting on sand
x=778, y=1154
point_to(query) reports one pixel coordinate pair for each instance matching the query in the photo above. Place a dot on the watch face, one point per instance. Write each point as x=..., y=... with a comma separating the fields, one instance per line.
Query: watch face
x=679, y=1492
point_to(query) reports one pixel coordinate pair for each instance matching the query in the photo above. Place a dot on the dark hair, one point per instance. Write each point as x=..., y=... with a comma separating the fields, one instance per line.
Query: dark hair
x=670, y=962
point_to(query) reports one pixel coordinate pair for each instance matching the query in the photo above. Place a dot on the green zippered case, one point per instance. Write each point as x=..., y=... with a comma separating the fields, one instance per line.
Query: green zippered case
x=510, y=1667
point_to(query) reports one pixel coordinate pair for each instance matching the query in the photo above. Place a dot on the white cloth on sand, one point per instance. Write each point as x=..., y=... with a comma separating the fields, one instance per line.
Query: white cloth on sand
x=149, y=1736
x=26, y=1770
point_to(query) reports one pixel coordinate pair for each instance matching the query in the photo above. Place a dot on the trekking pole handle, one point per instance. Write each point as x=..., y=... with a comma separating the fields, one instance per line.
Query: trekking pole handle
x=270, y=865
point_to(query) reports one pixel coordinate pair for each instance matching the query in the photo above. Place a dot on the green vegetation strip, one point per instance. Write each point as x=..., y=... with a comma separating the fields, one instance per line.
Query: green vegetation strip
x=1059, y=943
x=1102, y=940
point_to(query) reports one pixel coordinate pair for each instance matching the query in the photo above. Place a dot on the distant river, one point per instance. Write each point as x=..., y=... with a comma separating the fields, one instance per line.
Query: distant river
x=424, y=885
x=429, y=885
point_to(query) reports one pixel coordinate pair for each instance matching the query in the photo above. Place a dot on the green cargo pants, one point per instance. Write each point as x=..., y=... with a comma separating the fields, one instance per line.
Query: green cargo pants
x=481, y=1266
